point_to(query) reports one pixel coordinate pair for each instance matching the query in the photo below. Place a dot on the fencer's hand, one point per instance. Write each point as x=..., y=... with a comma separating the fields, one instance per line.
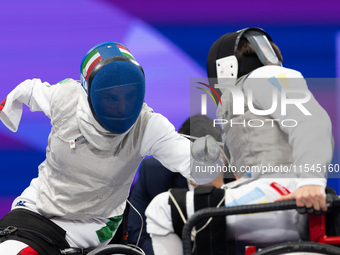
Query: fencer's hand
x=310, y=197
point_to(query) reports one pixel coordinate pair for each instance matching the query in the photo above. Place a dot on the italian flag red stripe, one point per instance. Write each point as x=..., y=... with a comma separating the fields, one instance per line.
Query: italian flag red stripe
x=2, y=105
x=92, y=65
x=122, y=47
x=28, y=251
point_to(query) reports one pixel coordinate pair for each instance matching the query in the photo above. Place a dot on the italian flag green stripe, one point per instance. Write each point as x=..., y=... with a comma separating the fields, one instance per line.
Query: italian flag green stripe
x=87, y=59
x=128, y=55
x=125, y=52
x=106, y=233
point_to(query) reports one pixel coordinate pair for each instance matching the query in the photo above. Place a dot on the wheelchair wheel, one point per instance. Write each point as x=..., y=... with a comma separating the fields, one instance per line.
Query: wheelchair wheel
x=116, y=249
x=306, y=248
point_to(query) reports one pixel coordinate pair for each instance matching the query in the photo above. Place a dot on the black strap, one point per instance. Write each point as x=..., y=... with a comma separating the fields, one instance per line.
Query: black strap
x=332, y=217
x=213, y=238
x=177, y=221
x=121, y=234
x=37, y=231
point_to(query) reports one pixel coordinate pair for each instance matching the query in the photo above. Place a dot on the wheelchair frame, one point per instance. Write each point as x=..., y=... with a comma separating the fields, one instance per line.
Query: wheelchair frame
x=317, y=222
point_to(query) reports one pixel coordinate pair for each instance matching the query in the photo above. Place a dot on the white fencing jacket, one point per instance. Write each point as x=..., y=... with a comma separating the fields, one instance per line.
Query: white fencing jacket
x=88, y=171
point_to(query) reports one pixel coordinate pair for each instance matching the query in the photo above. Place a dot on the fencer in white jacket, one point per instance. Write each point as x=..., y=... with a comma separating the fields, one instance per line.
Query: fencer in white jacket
x=101, y=131
x=276, y=156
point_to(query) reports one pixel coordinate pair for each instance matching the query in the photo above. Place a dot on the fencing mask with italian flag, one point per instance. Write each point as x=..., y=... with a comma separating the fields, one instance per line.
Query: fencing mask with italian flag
x=115, y=86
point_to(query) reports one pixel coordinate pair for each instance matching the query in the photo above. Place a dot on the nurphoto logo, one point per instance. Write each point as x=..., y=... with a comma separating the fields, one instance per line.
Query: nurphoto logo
x=239, y=97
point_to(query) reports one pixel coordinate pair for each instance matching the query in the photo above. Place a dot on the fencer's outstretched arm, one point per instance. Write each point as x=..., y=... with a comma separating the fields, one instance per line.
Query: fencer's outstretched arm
x=311, y=138
x=171, y=149
x=33, y=93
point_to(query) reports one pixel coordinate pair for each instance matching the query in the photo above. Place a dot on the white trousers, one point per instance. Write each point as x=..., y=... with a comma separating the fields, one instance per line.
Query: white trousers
x=260, y=229
x=79, y=233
